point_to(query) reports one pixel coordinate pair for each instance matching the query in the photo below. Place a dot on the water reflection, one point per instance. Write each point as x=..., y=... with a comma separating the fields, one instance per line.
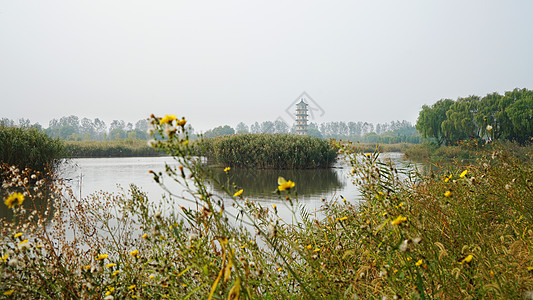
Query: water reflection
x=263, y=183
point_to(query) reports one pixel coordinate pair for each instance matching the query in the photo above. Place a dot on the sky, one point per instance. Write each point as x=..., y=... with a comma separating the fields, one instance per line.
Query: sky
x=223, y=62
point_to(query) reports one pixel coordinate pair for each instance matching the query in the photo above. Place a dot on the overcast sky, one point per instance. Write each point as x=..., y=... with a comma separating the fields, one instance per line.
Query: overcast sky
x=221, y=62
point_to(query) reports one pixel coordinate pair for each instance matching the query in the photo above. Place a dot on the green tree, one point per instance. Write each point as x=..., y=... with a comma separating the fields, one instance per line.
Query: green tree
x=431, y=118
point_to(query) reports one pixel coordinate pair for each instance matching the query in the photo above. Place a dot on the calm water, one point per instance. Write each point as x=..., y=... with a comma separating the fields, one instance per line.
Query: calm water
x=89, y=175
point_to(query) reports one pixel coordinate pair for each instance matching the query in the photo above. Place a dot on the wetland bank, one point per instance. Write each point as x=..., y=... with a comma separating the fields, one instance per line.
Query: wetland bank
x=463, y=228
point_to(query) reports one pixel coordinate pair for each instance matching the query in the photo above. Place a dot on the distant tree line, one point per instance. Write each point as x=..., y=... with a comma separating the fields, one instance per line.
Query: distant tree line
x=495, y=116
x=72, y=128
x=387, y=133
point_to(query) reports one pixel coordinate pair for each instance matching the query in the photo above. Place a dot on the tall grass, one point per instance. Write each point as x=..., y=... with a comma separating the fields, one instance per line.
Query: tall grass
x=116, y=148
x=274, y=151
x=446, y=235
x=29, y=148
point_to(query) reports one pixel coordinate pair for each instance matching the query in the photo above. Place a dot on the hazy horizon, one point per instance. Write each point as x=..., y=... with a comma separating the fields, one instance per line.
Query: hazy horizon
x=219, y=63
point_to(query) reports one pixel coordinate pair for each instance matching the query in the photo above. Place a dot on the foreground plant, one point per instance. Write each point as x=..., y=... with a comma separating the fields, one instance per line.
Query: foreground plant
x=461, y=233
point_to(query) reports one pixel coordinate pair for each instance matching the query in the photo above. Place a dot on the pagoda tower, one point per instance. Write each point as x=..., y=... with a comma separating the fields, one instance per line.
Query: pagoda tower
x=301, y=118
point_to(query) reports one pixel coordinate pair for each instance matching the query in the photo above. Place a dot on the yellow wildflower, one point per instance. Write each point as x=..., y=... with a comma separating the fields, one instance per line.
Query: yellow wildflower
x=110, y=265
x=168, y=119
x=343, y=218
x=237, y=194
x=280, y=269
x=39, y=246
x=134, y=253
x=447, y=178
x=18, y=235
x=530, y=268
x=419, y=263
x=317, y=250
x=182, y=122
x=226, y=169
x=101, y=256
x=399, y=220
x=23, y=242
x=5, y=257
x=115, y=273
x=309, y=247
x=463, y=174
x=144, y=236
x=284, y=184
x=14, y=199
x=9, y=292
x=151, y=276
x=131, y=287
x=467, y=259
x=274, y=206
x=447, y=194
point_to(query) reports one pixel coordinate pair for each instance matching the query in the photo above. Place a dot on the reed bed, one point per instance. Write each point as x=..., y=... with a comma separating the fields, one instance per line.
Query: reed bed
x=29, y=148
x=269, y=151
x=115, y=148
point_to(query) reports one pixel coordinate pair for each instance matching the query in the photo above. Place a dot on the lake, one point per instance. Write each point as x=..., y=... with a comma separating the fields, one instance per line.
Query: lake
x=86, y=176
x=90, y=175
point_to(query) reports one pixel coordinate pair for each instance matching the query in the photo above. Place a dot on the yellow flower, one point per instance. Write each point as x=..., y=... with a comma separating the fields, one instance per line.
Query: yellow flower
x=317, y=250
x=110, y=265
x=284, y=184
x=399, y=220
x=18, y=234
x=23, y=242
x=237, y=194
x=134, y=253
x=9, y=292
x=107, y=293
x=168, y=119
x=463, y=174
x=182, y=122
x=144, y=236
x=343, y=218
x=14, y=199
x=467, y=259
x=309, y=247
x=151, y=276
x=226, y=169
x=101, y=256
x=274, y=206
x=115, y=273
x=131, y=287
x=419, y=263
x=447, y=178
x=280, y=269
x=447, y=194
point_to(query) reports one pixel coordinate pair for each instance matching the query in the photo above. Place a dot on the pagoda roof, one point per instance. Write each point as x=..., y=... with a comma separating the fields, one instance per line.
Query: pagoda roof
x=301, y=102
